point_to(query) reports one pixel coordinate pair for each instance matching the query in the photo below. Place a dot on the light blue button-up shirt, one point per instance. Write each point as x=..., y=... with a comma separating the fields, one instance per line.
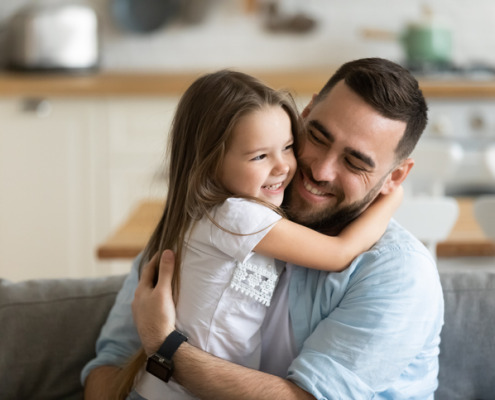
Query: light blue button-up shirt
x=371, y=331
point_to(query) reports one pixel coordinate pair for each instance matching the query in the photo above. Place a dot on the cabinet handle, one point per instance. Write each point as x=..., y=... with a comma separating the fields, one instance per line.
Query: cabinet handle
x=40, y=107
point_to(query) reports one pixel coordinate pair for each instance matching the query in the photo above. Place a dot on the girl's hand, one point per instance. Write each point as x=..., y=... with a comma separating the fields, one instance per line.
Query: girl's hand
x=393, y=199
x=153, y=307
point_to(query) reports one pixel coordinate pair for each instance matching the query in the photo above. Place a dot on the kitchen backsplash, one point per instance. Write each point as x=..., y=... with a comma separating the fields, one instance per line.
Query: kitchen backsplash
x=230, y=36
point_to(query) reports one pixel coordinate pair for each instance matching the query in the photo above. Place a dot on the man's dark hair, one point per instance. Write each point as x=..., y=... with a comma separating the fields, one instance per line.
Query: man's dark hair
x=391, y=90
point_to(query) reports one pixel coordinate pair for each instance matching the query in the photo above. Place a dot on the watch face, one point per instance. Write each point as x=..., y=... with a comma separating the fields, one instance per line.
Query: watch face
x=160, y=367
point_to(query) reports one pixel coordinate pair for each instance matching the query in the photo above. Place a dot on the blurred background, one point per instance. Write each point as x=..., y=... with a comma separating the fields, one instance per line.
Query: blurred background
x=218, y=33
x=88, y=90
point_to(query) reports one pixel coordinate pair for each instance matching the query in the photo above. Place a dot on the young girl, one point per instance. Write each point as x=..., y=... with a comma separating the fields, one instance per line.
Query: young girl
x=231, y=158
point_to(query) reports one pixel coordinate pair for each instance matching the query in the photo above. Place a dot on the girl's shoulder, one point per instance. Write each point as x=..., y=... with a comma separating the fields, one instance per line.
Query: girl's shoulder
x=237, y=214
x=241, y=206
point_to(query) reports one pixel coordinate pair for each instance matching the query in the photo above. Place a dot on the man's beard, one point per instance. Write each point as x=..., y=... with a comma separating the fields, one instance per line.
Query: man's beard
x=332, y=219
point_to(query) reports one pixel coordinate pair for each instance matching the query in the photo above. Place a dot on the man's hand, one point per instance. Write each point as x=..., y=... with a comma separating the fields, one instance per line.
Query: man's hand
x=153, y=307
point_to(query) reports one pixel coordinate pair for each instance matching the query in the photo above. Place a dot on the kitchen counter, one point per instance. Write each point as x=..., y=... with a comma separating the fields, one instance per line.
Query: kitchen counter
x=107, y=83
x=466, y=238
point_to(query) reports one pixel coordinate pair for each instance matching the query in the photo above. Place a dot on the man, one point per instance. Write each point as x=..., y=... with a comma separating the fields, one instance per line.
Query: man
x=371, y=331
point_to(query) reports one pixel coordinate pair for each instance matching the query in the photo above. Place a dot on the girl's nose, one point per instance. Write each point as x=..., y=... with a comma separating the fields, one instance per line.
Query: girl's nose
x=281, y=167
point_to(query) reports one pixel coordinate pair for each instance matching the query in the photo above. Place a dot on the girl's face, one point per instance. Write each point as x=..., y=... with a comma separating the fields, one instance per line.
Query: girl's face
x=260, y=161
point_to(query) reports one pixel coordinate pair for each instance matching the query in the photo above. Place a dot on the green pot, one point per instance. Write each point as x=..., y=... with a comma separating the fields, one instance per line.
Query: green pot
x=427, y=44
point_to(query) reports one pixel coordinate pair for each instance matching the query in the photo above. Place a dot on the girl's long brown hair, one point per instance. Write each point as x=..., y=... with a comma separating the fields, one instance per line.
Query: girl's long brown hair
x=203, y=124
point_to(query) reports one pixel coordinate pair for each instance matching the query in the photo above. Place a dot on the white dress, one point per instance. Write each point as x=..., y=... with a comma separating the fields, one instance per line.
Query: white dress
x=225, y=289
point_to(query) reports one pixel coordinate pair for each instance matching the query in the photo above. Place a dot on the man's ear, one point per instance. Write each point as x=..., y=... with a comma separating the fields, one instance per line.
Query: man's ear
x=308, y=108
x=397, y=176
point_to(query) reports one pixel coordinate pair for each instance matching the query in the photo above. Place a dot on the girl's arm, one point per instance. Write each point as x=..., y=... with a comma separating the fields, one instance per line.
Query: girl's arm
x=299, y=245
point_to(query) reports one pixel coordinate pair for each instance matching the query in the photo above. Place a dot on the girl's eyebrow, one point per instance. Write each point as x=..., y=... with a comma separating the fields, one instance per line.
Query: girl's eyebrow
x=255, y=150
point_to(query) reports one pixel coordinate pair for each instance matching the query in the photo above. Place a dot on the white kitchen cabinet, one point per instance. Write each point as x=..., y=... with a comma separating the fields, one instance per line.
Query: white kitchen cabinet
x=138, y=133
x=71, y=170
x=50, y=163
x=138, y=130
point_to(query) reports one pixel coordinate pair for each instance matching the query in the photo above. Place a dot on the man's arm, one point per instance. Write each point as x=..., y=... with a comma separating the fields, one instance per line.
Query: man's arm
x=117, y=342
x=206, y=376
x=98, y=383
x=209, y=377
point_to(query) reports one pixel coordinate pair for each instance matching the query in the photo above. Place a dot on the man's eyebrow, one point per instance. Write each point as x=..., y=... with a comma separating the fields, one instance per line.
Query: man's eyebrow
x=355, y=153
x=315, y=124
x=361, y=156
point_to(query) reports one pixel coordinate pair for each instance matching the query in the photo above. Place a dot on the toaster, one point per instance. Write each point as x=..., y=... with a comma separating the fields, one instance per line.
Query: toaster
x=59, y=36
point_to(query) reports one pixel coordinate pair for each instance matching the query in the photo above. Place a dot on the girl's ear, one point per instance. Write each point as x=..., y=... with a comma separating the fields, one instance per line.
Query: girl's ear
x=397, y=176
x=308, y=108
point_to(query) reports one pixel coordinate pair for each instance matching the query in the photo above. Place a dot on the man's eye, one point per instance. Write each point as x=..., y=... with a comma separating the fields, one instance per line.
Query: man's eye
x=354, y=166
x=258, y=158
x=314, y=137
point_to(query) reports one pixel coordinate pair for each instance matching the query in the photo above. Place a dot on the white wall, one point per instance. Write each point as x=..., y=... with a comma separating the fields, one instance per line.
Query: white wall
x=229, y=37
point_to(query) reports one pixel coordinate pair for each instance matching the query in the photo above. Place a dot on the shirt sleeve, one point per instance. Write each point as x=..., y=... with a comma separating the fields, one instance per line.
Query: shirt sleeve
x=118, y=338
x=242, y=225
x=390, y=315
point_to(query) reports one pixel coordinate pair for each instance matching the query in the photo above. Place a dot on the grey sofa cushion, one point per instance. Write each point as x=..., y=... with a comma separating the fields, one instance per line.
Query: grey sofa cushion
x=467, y=349
x=48, y=332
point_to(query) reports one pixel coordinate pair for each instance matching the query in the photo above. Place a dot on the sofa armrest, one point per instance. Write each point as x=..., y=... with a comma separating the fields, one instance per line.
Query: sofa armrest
x=467, y=348
x=49, y=330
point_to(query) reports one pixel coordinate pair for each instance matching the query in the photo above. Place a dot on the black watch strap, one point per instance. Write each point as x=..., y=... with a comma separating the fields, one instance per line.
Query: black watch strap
x=171, y=344
x=160, y=364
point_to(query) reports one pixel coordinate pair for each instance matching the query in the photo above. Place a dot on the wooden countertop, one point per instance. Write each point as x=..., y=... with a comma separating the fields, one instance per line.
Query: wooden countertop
x=466, y=238
x=107, y=83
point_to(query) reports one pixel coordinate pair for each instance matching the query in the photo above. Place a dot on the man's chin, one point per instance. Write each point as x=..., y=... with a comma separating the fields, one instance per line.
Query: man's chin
x=329, y=218
x=304, y=207
x=305, y=214
x=310, y=215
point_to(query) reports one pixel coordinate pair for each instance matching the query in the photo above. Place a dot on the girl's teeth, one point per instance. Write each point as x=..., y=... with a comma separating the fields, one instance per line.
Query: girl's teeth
x=273, y=187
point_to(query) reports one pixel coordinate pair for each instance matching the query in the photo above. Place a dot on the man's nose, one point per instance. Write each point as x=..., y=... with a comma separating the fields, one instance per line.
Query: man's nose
x=325, y=169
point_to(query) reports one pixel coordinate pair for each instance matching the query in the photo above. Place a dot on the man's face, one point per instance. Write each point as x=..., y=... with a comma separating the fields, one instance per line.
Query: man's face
x=345, y=160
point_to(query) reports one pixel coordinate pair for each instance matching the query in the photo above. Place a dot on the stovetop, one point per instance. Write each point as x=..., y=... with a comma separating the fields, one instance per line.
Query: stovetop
x=468, y=71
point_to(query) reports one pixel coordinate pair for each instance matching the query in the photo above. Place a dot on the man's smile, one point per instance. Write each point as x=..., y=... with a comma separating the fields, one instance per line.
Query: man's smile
x=313, y=190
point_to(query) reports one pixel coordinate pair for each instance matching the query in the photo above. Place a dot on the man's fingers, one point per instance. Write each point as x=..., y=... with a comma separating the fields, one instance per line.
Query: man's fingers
x=166, y=270
x=149, y=271
x=153, y=308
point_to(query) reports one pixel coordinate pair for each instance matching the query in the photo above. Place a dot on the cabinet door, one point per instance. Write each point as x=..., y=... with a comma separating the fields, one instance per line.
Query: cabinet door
x=138, y=135
x=46, y=172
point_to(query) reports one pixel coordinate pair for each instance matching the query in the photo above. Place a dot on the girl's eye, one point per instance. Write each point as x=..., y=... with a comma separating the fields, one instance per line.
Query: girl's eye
x=258, y=158
x=289, y=147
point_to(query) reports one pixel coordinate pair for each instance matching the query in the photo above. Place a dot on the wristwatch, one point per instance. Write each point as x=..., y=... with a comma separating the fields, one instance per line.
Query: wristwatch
x=161, y=364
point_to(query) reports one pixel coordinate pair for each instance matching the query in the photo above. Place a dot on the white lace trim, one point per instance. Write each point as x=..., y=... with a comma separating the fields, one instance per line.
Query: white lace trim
x=256, y=281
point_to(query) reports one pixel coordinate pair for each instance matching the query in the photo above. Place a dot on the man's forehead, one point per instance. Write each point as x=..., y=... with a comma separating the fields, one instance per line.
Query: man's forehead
x=342, y=104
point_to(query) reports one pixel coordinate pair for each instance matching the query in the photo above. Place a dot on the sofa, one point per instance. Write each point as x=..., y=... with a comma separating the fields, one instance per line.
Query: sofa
x=49, y=329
